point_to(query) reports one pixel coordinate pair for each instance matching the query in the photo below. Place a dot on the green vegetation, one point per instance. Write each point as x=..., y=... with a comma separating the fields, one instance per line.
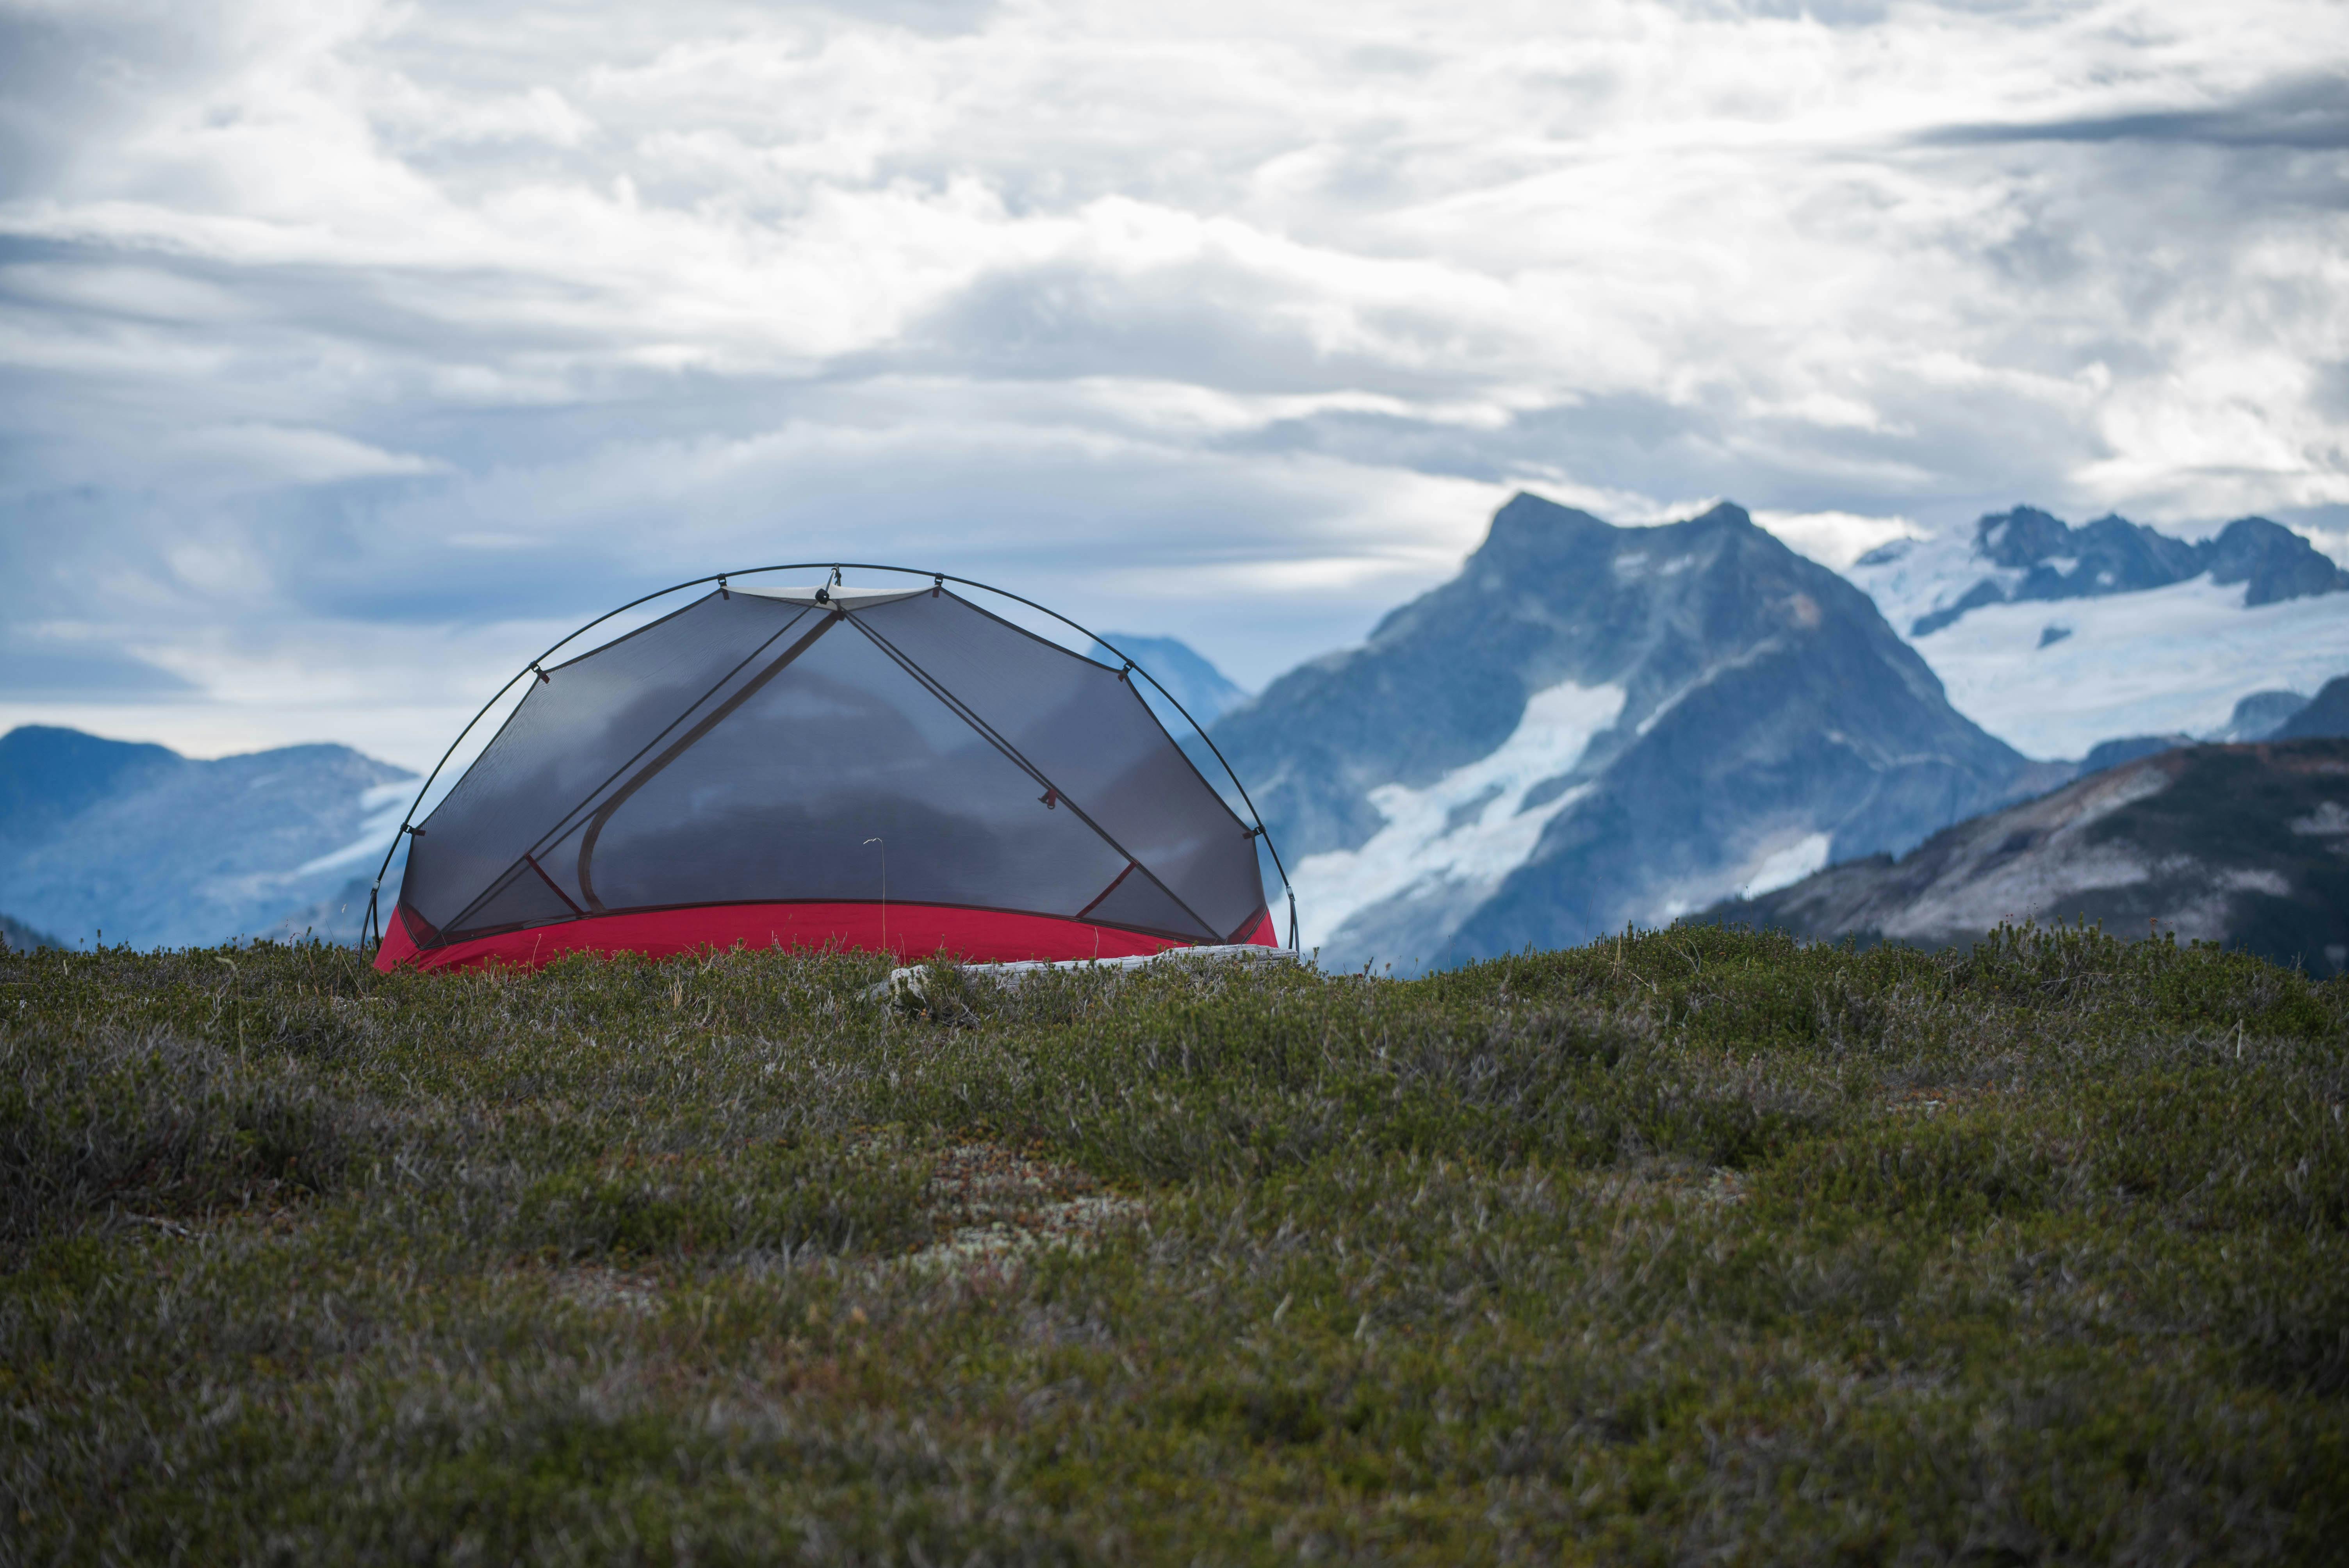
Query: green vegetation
x=1695, y=1245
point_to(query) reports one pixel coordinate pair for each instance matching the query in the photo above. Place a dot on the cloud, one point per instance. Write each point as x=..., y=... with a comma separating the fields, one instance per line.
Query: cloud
x=1835, y=539
x=266, y=455
x=350, y=350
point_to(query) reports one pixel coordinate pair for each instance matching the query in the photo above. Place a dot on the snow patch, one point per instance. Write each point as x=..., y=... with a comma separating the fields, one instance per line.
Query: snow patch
x=1779, y=864
x=1470, y=827
x=1785, y=868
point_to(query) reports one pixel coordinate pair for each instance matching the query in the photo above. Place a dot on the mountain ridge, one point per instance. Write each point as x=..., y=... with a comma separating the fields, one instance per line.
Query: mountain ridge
x=2059, y=639
x=2036, y=557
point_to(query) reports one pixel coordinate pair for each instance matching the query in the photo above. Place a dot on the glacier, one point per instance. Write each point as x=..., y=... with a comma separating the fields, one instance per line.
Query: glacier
x=2161, y=661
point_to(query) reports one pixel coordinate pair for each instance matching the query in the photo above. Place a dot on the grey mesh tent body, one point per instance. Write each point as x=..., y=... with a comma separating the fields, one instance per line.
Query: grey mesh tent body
x=895, y=769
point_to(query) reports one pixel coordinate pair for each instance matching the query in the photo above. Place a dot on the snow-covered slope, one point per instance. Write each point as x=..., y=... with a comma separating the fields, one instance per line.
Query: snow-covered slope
x=158, y=849
x=2056, y=639
x=1448, y=845
x=2165, y=660
x=1592, y=725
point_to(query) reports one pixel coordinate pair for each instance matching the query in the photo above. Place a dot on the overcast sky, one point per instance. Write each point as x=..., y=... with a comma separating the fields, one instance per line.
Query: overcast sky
x=348, y=349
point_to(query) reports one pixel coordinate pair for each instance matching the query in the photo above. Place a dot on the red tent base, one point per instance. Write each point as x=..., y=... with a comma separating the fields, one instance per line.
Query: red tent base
x=914, y=930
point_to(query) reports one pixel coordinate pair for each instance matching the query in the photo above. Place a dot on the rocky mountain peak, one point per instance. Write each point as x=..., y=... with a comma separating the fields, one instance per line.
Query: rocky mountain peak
x=1592, y=723
x=1529, y=528
x=2020, y=537
x=2276, y=563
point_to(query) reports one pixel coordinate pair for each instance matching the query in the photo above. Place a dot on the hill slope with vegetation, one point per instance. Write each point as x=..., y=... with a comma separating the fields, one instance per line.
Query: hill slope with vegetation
x=2244, y=845
x=1692, y=1246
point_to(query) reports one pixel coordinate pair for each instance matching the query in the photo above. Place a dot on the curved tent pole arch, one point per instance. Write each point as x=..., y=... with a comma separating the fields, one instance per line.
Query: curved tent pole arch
x=372, y=930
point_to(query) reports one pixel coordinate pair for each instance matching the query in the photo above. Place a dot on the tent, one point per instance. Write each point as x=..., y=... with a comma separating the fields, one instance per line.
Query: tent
x=897, y=769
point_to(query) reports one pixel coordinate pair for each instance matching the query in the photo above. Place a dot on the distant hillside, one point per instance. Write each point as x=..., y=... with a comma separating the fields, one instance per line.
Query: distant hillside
x=2261, y=714
x=22, y=938
x=159, y=850
x=2247, y=845
x=1205, y=692
x=1592, y=725
x=48, y=775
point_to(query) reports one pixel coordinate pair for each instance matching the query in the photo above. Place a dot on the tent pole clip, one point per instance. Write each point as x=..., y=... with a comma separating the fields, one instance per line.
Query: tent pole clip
x=937, y=585
x=1051, y=799
x=411, y=833
x=721, y=590
x=543, y=678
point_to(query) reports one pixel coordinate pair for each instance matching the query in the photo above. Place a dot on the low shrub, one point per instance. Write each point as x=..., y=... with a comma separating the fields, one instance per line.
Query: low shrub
x=1683, y=1246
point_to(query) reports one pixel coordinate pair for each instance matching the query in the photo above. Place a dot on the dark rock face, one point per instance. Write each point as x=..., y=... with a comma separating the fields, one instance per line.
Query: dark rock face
x=2326, y=716
x=1764, y=703
x=2247, y=845
x=2114, y=555
x=2277, y=563
x=157, y=848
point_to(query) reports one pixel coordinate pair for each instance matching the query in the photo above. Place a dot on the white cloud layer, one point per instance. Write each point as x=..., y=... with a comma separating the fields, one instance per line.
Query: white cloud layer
x=344, y=346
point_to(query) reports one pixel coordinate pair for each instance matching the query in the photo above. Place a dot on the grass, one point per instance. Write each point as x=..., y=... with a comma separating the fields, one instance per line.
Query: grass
x=1694, y=1246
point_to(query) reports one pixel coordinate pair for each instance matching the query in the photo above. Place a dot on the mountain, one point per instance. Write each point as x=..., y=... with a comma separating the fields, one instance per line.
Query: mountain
x=1592, y=725
x=159, y=850
x=16, y=934
x=48, y=775
x=1204, y=690
x=2056, y=638
x=2247, y=845
x=2324, y=717
x=2261, y=714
